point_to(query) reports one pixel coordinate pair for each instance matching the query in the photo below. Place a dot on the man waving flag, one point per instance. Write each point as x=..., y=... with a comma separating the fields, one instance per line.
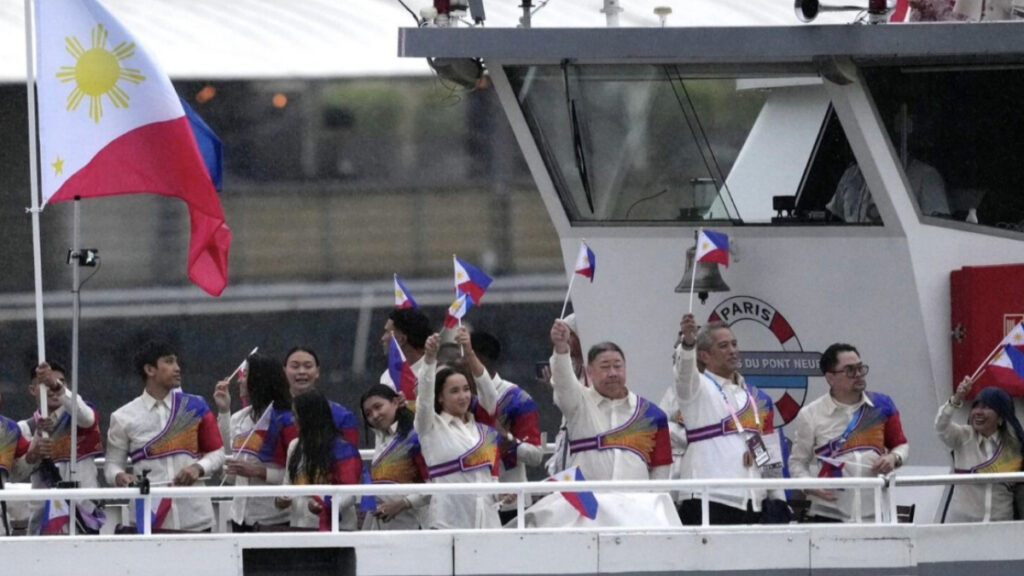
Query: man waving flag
x=111, y=123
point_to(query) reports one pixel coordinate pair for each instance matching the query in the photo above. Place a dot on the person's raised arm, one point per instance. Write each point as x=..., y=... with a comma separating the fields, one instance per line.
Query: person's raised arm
x=55, y=384
x=424, y=420
x=953, y=435
x=485, y=388
x=568, y=390
x=687, y=378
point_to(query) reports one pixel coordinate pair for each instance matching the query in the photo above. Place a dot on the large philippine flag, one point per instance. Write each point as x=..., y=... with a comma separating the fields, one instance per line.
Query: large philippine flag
x=111, y=123
x=1006, y=369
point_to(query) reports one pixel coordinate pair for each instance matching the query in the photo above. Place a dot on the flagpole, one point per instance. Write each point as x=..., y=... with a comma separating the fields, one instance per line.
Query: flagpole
x=76, y=316
x=693, y=277
x=462, y=351
x=30, y=81
x=567, y=293
x=987, y=359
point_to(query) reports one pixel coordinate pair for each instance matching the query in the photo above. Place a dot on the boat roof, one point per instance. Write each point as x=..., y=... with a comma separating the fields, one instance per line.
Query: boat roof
x=198, y=39
x=810, y=44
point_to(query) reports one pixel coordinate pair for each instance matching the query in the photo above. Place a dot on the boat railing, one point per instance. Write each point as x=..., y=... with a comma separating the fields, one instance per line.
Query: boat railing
x=882, y=486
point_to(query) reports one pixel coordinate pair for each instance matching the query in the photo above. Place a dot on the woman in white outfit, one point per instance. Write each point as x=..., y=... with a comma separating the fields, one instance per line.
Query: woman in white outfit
x=455, y=447
x=258, y=437
x=989, y=443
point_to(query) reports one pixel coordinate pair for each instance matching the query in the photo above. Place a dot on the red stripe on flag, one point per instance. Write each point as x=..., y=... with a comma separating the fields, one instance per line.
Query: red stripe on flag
x=162, y=158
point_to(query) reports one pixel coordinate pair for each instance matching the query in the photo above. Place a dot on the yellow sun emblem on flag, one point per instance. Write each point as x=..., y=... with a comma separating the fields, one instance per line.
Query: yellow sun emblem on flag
x=97, y=71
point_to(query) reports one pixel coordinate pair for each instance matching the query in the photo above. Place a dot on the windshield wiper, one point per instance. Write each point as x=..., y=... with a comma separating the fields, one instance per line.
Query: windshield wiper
x=577, y=140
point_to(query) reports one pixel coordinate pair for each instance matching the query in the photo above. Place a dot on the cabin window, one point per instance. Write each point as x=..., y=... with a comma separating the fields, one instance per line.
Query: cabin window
x=965, y=124
x=639, y=143
x=832, y=190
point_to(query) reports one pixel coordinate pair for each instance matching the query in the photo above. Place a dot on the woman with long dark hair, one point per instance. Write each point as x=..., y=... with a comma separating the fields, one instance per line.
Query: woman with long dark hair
x=320, y=456
x=258, y=435
x=456, y=447
x=396, y=459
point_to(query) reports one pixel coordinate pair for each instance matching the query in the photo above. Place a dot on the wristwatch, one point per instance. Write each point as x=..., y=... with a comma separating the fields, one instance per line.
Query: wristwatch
x=899, y=460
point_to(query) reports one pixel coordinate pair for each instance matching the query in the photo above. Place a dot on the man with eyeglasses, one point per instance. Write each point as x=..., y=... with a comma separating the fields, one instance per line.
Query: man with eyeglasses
x=848, y=432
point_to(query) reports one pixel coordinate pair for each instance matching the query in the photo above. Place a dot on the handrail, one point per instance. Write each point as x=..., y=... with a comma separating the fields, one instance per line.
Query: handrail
x=883, y=486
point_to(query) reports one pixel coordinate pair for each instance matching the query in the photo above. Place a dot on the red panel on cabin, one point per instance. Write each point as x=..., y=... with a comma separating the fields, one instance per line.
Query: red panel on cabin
x=987, y=302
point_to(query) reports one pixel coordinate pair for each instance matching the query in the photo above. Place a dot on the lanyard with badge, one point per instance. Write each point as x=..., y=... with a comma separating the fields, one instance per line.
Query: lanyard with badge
x=755, y=444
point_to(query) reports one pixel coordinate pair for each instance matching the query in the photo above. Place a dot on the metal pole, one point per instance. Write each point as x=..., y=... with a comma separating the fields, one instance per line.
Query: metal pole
x=76, y=314
x=30, y=81
x=521, y=510
x=147, y=514
x=611, y=12
x=705, y=506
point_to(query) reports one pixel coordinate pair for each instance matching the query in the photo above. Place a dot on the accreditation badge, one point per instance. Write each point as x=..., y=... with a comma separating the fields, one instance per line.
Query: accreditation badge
x=757, y=449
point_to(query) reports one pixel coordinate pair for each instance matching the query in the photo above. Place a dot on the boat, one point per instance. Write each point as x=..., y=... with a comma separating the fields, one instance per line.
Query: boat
x=637, y=138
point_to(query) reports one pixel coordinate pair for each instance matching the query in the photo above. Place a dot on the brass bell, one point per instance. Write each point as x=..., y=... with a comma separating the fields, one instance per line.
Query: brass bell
x=708, y=278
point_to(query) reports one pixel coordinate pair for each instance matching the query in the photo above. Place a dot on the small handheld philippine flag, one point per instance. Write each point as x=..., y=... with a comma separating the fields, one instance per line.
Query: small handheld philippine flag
x=456, y=311
x=244, y=366
x=586, y=262
x=402, y=297
x=470, y=280
x=712, y=247
x=56, y=516
x=1006, y=369
x=584, y=502
x=161, y=507
x=400, y=371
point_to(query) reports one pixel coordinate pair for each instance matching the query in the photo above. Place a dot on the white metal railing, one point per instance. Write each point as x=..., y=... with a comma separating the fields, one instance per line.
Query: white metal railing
x=882, y=486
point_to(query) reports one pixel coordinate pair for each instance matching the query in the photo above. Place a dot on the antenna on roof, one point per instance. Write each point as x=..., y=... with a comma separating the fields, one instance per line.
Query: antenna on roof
x=527, y=7
x=611, y=12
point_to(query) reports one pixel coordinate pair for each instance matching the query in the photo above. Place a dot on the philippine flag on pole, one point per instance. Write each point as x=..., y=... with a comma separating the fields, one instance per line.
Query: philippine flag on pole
x=161, y=507
x=111, y=123
x=586, y=262
x=712, y=247
x=402, y=297
x=470, y=280
x=56, y=515
x=456, y=311
x=584, y=502
x=1006, y=370
x=401, y=373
